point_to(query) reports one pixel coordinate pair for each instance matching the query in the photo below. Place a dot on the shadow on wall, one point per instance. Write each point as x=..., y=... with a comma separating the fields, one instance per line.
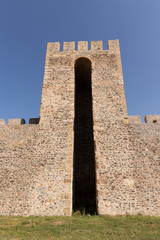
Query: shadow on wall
x=84, y=188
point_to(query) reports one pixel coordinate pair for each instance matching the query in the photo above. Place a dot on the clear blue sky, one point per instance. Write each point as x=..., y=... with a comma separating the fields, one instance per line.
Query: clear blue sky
x=27, y=26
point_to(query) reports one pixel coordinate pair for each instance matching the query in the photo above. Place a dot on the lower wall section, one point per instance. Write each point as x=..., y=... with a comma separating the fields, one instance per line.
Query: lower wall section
x=129, y=179
x=35, y=171
x=144, y=149
x=36, y=165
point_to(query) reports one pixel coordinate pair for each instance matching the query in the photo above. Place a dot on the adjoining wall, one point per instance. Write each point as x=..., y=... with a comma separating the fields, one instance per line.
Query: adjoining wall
x=33, y=182
x=144, y=154
x=130, y=184
x=36, y=160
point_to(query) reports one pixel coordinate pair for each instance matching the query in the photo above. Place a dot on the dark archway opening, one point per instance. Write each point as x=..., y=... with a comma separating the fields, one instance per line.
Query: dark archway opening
x=84, y=176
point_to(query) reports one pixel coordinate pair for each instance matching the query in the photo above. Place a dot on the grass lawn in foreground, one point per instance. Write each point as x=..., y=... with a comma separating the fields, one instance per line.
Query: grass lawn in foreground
x=80, y=228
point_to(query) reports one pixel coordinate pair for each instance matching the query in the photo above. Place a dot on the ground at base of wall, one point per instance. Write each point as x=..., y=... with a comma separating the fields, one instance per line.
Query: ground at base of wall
x=80, y=227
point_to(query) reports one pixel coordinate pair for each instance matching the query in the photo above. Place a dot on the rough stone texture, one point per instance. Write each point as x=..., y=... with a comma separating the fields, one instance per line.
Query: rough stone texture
x=36, y=160
x=2, y=122
x=16, y=121
x=152, y=119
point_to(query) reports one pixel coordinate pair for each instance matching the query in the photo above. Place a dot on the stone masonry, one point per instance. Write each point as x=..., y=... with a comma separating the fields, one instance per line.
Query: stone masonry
x=84, y=150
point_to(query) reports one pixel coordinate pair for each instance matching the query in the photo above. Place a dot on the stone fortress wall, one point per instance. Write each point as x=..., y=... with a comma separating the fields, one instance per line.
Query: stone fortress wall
x=39, y=163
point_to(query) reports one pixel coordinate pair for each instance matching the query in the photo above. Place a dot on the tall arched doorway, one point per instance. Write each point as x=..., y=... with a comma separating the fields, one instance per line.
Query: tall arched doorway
x=84, y=177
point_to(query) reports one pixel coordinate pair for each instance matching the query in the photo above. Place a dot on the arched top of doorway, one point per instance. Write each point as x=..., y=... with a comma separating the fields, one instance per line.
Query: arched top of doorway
x=84, y=61
x=83, y=71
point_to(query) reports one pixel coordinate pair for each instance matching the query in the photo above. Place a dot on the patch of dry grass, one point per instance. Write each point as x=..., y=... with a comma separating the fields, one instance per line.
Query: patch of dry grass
x=80, y=228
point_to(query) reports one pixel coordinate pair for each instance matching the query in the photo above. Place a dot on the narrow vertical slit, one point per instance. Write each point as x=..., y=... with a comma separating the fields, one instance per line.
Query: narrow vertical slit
x=84, y=178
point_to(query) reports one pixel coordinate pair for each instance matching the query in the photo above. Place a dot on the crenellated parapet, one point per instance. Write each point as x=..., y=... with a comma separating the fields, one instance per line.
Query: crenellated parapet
x=82, y=46
x=18, y=121
x=152, y=119
x=148, y=119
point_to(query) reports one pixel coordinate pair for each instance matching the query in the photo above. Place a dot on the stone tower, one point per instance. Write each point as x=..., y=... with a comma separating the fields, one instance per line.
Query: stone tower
x=84, y=151
x=83, y=95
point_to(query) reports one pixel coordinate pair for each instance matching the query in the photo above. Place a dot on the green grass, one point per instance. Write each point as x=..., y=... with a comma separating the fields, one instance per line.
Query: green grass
x=80, y=228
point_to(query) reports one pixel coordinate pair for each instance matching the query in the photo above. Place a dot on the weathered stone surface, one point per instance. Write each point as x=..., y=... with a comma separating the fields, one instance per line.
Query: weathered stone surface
x=83, y=46
x=152, y=119
x=2, y=122
x=134, y=119
x=36, y=160
x=16, y=121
